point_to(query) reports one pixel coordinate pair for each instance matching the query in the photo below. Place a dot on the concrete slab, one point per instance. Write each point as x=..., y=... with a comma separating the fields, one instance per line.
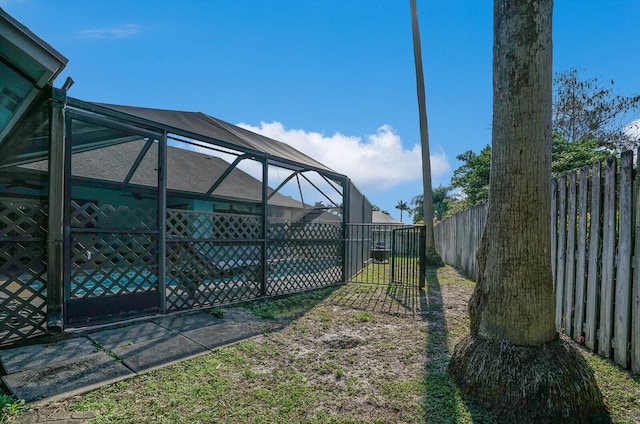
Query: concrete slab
x=67, y=377
x=37, y=356
x=186, y=322
x=131, y=334
x=151, y=354
x=227, y=332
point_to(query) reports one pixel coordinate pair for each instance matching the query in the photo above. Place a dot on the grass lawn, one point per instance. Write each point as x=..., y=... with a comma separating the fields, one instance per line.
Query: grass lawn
x=354, y=354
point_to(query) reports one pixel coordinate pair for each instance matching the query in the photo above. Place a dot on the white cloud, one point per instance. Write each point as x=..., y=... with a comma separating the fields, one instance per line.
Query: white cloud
x=633, y=130
x=122, y=31
x=376, y=162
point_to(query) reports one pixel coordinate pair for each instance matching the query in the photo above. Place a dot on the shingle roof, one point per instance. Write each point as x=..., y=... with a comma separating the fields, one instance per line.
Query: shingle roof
x=186, y=171
x=378, y=217
x=203, y=125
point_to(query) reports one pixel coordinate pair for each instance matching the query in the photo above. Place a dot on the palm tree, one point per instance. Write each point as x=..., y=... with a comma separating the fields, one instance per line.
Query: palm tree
x=432, y=256
x=403, y=206
x=441, y=201
x=514, y=349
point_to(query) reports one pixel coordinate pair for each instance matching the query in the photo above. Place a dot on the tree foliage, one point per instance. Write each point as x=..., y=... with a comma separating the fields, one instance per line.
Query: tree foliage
x=441, y=204
x=588, y=122
x=418, y=211
x=567, y=156
x=587, y=110
x=473, y=176
x=402, y=206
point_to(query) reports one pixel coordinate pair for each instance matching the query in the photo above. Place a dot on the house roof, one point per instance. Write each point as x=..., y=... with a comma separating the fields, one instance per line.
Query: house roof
x=201, y=126
x=187, y=171
x=378, y=217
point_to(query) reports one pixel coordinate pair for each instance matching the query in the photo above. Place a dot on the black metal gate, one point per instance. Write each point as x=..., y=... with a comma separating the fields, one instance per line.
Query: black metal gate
x=386, y=254
x=113, y=263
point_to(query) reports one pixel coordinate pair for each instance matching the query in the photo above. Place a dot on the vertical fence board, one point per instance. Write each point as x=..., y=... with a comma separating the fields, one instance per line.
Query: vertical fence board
x=608, y=258
x=570, y=257
x=581, y=254
x=467, y=244
x=596, y=272
x=621, y=326
x=562, y=228
x=554, y=228
x=635, y=297
x=592, y=312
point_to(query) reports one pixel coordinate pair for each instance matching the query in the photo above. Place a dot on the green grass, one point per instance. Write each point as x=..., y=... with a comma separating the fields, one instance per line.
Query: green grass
x=363, y=316
x=620, y=389
x=10, y=407
x=278, y=378
x=227, y=385
x=380, y=273
x=290, y=307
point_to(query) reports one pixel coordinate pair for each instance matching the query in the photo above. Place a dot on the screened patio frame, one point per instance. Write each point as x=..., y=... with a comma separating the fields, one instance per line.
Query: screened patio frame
x=64, y=110
x=46, y=225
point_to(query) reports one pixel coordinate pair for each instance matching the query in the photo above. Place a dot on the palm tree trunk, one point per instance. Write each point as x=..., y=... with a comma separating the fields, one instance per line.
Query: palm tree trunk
x=432, y=256
x=513, y=361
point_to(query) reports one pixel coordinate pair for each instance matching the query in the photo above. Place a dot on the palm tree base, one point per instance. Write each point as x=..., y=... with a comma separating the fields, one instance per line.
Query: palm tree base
x=551, y=383
x=433, y=259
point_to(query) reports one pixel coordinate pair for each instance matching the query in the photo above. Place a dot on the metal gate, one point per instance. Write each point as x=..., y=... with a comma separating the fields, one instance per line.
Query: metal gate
x=386, y=254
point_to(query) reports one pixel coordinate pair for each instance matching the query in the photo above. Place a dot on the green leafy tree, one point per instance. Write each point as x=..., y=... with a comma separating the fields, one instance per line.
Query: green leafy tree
x=567, y=156
x=418, y=209
x=441, y=204
x=585, y=109
x=588, y=121
x=473, y=176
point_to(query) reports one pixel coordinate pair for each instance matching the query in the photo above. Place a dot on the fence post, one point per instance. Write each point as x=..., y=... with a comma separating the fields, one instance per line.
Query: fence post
x=594, y=256
x=423, y=256
x=570, y=258
x=581, y=271
x=623, y=268
x=608, y=258
x=635, y=296
x=562, y=230
x=162, y=221
x=56, y=208
x=554, y=228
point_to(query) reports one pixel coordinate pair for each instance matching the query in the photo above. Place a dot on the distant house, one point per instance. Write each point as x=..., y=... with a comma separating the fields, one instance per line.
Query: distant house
x=384, y=236
x=100, y=174
x=378, y=217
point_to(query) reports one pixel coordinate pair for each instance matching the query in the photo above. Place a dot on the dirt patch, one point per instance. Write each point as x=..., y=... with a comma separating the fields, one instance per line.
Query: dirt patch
x=364, y=353
x=360, y=353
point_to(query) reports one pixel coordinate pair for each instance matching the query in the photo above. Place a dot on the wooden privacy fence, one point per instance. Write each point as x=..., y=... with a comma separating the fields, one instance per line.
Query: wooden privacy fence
x=596, y=275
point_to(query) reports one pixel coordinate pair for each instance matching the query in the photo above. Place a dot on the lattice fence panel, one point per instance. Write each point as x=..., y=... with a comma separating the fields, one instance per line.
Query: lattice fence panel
x=92, y=215
x=22, y=218
x=208, y=225
x=304, y=231
x=22, y=269
x=104, y=264
x=301, y=265
x=208, y=273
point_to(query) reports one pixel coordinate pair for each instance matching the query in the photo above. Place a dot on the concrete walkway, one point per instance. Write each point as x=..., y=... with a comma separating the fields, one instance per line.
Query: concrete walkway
x=53, y=371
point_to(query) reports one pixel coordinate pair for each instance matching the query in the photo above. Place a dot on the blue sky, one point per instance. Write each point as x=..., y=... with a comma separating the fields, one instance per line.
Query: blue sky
x=335, y=78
